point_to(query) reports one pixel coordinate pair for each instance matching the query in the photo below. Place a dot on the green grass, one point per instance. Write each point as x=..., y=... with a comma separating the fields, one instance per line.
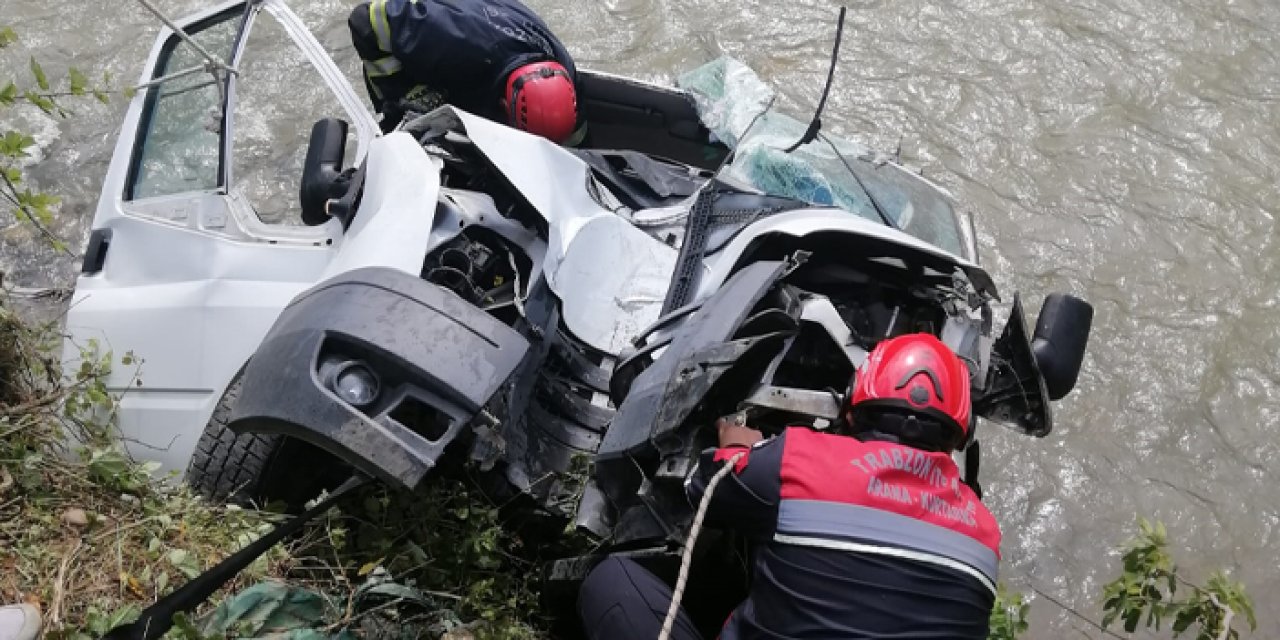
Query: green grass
x=92, y=537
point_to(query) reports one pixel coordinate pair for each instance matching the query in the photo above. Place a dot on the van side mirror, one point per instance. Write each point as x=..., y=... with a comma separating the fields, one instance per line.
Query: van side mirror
x=1059, y=341
x=322, y=169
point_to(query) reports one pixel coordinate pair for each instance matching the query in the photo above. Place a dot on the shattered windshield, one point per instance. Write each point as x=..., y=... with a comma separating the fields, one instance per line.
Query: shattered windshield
x=733, y=101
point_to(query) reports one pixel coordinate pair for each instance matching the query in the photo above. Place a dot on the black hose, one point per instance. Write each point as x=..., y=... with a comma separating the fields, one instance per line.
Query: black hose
x=158, y=618
x=815, y=125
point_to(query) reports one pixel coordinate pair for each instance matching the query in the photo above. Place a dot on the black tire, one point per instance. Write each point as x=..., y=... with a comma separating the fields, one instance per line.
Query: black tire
x=258, y=469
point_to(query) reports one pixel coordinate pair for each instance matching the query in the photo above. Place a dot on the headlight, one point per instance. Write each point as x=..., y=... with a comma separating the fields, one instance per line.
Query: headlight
x=355, y=384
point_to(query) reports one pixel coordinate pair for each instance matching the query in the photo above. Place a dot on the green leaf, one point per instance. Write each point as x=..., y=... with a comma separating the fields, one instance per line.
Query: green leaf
x=1111, y=616
x=14, y=144
x=130, y=92
x=38, y=203
x=77, y=80
x=107, y=466
x=1246, y=605
x=177, y=557
x=1131, y=619
x=185, y=562
x=38, y=73
x=44, y=215
x=101, y=96
x=7, y=37
x=122, y=615
x=45, y=103
x=184, y=628
x=1186, y=615
x=8, y=94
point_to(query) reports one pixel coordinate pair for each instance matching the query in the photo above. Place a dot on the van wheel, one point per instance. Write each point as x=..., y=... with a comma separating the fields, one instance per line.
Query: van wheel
x=255, y=468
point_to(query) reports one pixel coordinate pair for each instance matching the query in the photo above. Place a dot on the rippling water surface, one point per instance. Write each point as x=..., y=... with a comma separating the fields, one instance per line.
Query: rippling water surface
x=1124, y=151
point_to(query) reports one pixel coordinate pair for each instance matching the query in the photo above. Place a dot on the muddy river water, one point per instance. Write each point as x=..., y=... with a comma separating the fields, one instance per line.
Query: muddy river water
x=1126, y=151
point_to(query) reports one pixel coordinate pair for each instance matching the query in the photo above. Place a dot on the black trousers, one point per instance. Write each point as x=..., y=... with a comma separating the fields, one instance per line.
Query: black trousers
x=620, y=600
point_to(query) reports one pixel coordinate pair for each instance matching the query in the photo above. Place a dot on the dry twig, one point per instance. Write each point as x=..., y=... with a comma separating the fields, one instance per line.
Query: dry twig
x=59, y=586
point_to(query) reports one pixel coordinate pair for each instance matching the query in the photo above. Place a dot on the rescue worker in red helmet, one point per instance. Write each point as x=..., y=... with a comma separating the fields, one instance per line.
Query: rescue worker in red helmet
x=492, y=58
x=867, y=534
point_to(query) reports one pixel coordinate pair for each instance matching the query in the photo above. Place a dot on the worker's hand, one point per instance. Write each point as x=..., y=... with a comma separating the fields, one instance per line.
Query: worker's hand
x=734, y=432
x=422, y=99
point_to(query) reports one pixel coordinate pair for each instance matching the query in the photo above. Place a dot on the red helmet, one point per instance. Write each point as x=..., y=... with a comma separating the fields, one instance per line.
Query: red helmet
x=540, y=99
x=918, y=373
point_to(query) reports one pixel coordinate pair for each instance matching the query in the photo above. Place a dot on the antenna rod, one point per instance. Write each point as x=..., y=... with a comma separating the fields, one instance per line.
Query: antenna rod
x=811, y=133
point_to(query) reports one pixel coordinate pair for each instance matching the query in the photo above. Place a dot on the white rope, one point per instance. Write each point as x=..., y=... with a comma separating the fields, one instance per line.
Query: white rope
x=687, y=559
x=515, y=268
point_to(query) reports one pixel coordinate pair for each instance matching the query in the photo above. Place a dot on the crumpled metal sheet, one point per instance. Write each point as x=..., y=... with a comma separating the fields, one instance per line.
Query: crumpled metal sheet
x=610, y=276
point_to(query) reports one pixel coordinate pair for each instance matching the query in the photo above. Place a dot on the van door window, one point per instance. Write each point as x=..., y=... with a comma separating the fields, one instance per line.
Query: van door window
x=179, y=147
x=279, y=94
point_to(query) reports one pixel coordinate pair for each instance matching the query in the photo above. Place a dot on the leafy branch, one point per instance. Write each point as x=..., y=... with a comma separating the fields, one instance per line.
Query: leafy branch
x=1008, y=616
x=1149, y=591
x=1148, y=588
x=30, y=205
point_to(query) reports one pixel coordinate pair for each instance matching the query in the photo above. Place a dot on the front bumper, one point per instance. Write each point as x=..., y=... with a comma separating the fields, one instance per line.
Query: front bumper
x=437, y=362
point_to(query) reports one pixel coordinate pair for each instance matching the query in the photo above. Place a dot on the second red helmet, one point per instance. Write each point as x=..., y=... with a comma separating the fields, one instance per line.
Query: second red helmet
x=540, y=98
x=916, y=373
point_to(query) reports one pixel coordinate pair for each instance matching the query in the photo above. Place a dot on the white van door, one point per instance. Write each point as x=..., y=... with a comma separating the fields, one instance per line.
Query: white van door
x=197, y=243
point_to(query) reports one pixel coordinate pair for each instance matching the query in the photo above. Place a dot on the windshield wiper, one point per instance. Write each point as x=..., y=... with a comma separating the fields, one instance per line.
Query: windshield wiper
x=875, y=204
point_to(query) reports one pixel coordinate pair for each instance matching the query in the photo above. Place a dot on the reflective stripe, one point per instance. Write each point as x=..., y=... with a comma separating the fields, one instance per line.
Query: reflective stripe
x=381, y=25
x=382, y=67
x=907, y=554
x=840, y=520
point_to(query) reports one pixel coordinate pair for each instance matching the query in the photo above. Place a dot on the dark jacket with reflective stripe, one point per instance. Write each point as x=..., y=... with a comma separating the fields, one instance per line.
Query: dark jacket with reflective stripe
x=464, y=49
x=857, y=540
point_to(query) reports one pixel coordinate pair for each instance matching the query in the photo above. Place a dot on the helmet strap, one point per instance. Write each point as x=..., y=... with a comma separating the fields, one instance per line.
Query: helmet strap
x=972, y=460
x=903, y=427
